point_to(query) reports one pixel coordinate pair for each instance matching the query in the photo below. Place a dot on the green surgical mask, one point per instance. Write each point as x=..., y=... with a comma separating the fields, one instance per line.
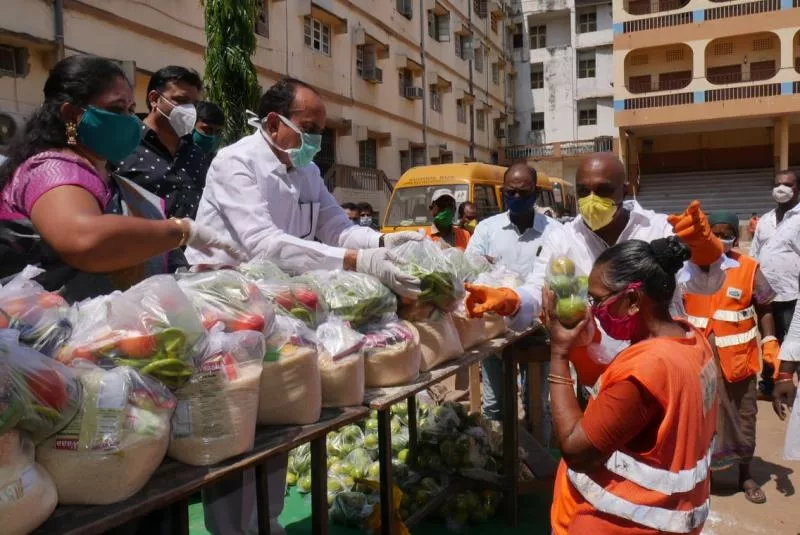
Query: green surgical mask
x=204, y=141
x=444, y=219
x=110, y=135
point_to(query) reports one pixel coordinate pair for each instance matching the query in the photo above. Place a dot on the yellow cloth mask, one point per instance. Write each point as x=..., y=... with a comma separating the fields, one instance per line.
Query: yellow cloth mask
x=470, y=225
x=596, y=211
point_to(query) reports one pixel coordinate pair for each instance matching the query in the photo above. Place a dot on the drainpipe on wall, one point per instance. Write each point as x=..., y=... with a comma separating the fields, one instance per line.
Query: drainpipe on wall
x=424, y=77
x=471, y=87
x=58, y=20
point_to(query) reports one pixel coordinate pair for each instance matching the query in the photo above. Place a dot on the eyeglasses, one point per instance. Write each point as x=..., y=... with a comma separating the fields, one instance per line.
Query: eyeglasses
x=521, y=193
x=597, y=302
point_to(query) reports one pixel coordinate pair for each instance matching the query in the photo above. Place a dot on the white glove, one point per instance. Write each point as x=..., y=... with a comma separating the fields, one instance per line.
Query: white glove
x=205, y=239
x=383, y=264
x=390, y=241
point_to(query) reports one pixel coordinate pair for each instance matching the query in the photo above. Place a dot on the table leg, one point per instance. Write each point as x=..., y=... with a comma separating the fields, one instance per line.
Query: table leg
x=535, y=407
x=385, y=461
x=179, y=517
x=475, y=388
x=510, y=448
x=319, y=486
x=262, y=499
x=412, y=429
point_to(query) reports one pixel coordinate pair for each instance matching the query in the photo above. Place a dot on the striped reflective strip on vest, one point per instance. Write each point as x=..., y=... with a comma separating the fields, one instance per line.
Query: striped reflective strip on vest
x=697, y=321
x=730, y=316
x=736, y=339
x=656, y=518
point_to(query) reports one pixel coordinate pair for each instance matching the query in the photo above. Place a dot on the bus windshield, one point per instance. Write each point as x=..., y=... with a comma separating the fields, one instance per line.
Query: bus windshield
x=410, y=207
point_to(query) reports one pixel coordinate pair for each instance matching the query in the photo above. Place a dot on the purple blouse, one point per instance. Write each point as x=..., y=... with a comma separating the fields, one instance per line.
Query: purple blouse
x=43, y=172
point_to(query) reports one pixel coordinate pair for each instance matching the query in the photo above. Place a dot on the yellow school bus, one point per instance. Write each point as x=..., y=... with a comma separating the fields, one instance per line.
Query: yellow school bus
x=563, y=196
x=480, y=183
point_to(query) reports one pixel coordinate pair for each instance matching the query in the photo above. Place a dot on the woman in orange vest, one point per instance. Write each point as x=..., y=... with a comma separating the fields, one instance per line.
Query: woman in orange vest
x=637, y=462
x=443, y=212
x=731, y=318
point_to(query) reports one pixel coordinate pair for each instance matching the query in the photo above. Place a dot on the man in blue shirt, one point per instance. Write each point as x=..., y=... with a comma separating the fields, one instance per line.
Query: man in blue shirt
x=512, y=239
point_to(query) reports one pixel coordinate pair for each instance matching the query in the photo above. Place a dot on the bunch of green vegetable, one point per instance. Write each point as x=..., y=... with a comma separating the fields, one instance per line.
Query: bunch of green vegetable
x=354, y=297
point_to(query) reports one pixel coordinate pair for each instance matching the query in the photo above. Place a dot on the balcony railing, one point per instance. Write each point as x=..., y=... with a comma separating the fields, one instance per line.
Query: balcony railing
x=659, y=101
x=744, y=92
x=661, y=85
x=346, y=176
x=755, y=75
x=739, y=10
x=796, y=85
x=714, y=13
x=646, y=7
x=559, y=149
x=654, y=23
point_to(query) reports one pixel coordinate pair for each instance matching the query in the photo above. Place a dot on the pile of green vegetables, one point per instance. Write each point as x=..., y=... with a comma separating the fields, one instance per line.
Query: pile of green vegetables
x=354, y=297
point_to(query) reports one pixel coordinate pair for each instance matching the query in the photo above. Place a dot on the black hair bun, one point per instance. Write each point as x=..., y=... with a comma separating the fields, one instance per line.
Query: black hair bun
x=670, y=253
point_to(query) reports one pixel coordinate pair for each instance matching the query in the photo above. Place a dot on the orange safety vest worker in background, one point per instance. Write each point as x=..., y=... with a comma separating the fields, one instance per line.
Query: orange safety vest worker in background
x=664, y=486
x=460, y=237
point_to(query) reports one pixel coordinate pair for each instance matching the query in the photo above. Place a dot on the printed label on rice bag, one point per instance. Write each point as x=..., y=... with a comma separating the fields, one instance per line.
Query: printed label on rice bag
x=182, y=420
x=206, y=414
x=16, y=489
x=98, y=425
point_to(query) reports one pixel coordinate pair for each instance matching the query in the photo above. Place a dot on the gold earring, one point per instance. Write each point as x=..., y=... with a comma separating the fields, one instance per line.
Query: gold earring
x=72, y=133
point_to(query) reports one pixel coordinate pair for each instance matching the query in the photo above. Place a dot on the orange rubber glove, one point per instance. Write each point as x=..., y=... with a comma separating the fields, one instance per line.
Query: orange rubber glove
x=483, y=299
x=693, y=229
x=770, y=349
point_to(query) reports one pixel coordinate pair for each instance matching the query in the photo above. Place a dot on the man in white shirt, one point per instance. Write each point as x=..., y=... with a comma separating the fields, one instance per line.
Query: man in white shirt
x=265, y=193
x=512, y=239
x=776, y=246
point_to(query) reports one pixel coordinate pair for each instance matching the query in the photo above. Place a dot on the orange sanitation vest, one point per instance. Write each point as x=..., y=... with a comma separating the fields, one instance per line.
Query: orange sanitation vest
x=729, y=315
x=665, y=489
x=461, y=237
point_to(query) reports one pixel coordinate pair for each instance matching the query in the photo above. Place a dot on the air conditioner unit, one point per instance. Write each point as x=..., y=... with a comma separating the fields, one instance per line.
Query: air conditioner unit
x=413, y=93
x=373, y=75
x=10, y=124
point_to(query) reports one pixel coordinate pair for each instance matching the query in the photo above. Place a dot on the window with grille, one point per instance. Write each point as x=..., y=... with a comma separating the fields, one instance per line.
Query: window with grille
x=480, y=120
x=317, y=35
x=446, y=157
x=405, y=79
x=587, y=21
x=494, y=24
x=405, y=8
x=368, y=154
x=262, y=21
x=462, y=44
x=436, y=99
x=723, y=49
x=640, y=59
x=478, y=59
x=495, y=73
x=538, y=36
x=762, y=44
x=480, y=8
x=366, y=59
x=412, y=157
x=587, y=114
x=675, y=54
x=586, y=64
x=537, y=75
x=537, y=122
x=516, y=38
x=461, y=110
x=439, y=26
x=326, y=157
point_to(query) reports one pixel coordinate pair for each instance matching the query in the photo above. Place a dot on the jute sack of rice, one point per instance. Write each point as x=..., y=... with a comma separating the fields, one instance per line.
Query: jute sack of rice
x=216, y=413
x=341, y=364
x=392, y=354
x=27, y=492
x=438, y=339
x=290, y=391
x=115, y=442
x=471, y=331
x=495, y=326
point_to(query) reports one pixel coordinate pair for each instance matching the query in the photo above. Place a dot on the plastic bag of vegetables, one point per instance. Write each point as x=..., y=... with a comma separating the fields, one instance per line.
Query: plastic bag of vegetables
x=440, y=286
x=299, y=297
x=341, y=443
x=341, y=364
x=353, y=508
x=228, y=297
x=27, y=492
x=392, y=353
x=37, y=394
x=499, y=277
x=262, y=269
x=216, y=414
x=41, y=317
x=116, y=441
x=464, y=266
x=291, y=389
x=151, y=327
x=571, y=289
x=354, y=297
x=299, y=464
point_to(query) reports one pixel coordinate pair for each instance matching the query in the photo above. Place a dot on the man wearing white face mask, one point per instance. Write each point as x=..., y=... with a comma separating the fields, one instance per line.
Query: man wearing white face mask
x=167, y=162
x=265, y=194
x=776, y=246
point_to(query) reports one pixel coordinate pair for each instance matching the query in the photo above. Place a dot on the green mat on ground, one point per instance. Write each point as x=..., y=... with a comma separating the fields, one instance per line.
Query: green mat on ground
x=296, y=517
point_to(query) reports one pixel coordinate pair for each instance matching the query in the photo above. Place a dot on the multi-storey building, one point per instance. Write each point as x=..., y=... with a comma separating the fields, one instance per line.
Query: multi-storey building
x=707, y=98
x=406, y=82
x=563, y=53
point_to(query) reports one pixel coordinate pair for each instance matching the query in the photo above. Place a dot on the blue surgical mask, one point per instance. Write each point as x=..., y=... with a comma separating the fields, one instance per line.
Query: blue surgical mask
x=727, y=245
x=110, y=135
x=519, y=205
x=365, y=221
x=301, y=156
x=205, y=142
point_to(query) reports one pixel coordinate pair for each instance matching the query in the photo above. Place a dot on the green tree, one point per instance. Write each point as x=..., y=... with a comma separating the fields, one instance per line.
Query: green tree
x=230, y=78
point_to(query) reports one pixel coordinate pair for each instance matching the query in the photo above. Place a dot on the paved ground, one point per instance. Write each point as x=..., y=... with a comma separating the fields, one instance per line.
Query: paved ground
x=732, y=514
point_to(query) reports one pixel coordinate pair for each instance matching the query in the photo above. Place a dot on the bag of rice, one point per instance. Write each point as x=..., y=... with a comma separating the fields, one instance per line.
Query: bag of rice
x=37, y=394
x=290, y=391
x=495, y=326
x=439, y=341
x=471, y=331
x=27, y=492
x=229, y=298
x=151, y=327
x=341, y=364
x=215, y=417
x=391, y=354
x=41, y=317
x=115, y=442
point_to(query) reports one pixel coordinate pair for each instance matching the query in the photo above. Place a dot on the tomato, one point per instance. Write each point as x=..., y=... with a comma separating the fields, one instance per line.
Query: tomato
x=138, y=347
x=308, y=298
x=3, y=320
x=247, y=322
x=284, y=300
x=48, y=388
x=51, y=300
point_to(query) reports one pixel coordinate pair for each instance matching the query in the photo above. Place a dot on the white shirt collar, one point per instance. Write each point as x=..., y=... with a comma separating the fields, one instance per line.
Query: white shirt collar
x=539, y=222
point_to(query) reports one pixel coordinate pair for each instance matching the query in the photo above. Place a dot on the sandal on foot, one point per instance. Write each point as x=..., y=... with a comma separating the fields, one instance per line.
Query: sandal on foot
x=753, y=493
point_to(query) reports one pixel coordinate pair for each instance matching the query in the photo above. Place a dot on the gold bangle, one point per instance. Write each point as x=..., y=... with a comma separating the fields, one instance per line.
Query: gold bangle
x=560, y=380
x=184, y=234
